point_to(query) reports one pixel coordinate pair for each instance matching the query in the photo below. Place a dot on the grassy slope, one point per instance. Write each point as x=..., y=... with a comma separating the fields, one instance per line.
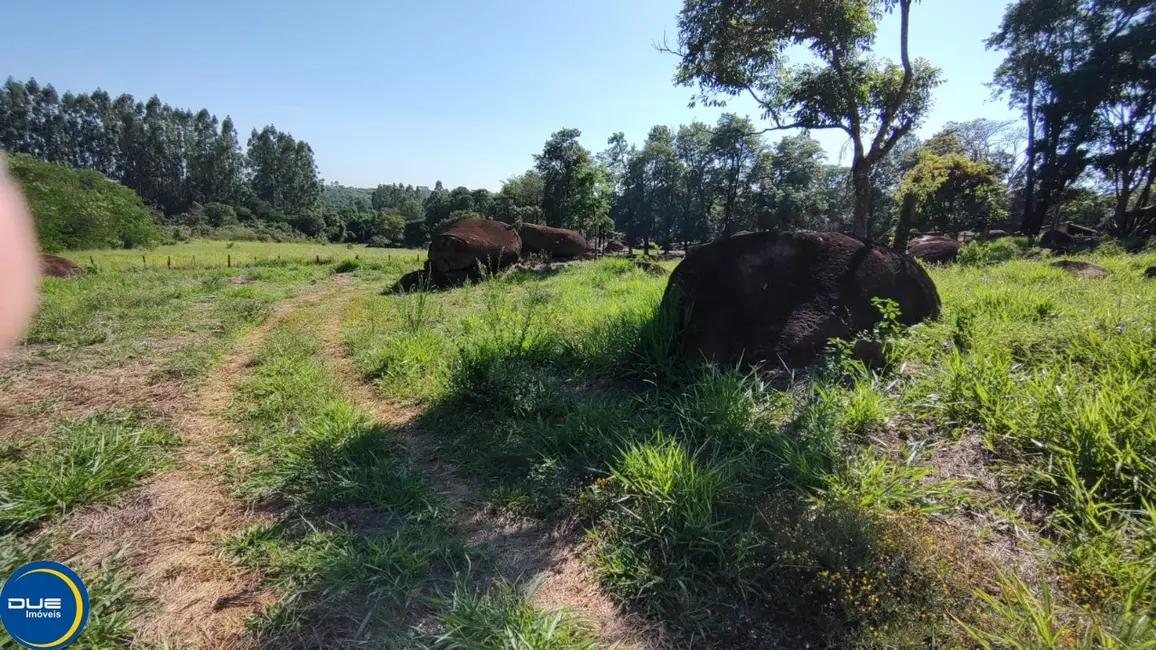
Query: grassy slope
x=841, y=507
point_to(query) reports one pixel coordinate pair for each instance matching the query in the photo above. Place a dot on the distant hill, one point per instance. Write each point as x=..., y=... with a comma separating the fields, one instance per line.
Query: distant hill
x=341, y=196
x=78, y=209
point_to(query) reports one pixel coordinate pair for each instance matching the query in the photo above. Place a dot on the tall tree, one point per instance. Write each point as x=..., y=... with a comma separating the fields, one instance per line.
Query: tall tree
x=562, y=164
x=693, y=144
x=792, y=192
x=732, y=47
x=735, y=149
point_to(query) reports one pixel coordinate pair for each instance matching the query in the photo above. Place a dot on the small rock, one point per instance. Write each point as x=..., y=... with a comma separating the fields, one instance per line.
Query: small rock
x=1150, y=272
x=1082, y=269
x=652, y=268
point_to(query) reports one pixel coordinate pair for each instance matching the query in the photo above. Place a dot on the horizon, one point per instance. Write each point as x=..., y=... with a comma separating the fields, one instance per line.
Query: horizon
x=497, y=90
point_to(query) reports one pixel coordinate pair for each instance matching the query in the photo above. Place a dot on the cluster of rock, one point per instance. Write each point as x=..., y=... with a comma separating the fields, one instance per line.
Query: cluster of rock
x=470, y=249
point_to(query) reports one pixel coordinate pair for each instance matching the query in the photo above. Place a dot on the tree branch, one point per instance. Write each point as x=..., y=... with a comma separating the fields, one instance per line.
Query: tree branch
x=908, y=76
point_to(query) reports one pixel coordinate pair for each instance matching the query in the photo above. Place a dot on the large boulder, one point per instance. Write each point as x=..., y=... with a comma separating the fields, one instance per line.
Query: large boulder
x=473, y=242
x=934, y=249
x=555, y=242
x=777, y=298
x=1150, y=272
x=1057, y=240
x=615, y=246
x=59, y=267
x=996, y=234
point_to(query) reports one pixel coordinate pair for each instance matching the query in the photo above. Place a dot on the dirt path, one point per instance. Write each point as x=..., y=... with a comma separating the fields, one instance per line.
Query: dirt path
x=168, y=527
x=544, y=550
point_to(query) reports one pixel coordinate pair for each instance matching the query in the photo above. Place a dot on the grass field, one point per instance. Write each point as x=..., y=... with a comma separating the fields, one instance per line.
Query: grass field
x=205, y=254
x=525, y=463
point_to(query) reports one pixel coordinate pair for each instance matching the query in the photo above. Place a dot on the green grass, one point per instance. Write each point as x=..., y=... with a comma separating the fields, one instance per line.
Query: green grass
x=820, y=507
x=502, y=618
x=80, y=462
x=360, y=534
x=212, y=254
x=363, y=548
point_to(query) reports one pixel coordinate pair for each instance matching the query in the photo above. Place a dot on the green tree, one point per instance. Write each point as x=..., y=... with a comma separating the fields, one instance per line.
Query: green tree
x=791, y=179
x=732, y=47
x=734, y=149
x=282, y=170
x=566, y=184
x=75, y=209
x=693, y=144
x=949, y=192
x=1081, y=70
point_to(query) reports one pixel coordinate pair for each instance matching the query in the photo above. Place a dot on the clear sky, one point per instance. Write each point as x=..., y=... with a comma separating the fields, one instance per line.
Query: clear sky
x=413, y=92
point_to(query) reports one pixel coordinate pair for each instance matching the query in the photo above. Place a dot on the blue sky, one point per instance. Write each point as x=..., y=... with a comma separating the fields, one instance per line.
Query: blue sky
x=413, y=92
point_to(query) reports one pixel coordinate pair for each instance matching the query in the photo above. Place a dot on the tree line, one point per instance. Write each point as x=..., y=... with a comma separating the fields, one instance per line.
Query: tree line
x=1081, y=71
x=177, y=160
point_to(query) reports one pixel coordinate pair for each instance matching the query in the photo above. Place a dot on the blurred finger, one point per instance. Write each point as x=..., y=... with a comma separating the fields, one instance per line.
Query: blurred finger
x=19, y=266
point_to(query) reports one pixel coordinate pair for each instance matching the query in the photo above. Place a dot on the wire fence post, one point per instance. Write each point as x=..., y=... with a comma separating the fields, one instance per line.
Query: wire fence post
x=170, y=261
x=229, y=260
x=144, y=263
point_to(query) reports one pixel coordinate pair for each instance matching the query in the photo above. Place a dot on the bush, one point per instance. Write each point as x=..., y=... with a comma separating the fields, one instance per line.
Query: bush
x=77, y=209
x=978, y=253
x=259, y=231
x=347, y=266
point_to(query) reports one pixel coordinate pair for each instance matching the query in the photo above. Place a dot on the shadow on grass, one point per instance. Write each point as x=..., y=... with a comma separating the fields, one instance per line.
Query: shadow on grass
x=702, y=489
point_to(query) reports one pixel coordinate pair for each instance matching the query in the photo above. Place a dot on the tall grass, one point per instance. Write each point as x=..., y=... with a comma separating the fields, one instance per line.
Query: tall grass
x=823, y=507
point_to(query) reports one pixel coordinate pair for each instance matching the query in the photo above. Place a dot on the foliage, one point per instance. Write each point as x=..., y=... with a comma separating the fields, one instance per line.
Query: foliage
x=1086, y=102
x=503, y=618
x=80, y=208
x=173, y=158
x=953, y=193
x=731, y=48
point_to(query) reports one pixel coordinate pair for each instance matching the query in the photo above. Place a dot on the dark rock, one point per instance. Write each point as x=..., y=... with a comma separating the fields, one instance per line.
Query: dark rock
x=59, y=267
x=997, y=234
x=473, y=242
x=650, y=267
x=934, y=249
x=425, y=280
x=1057, y=240
x=779, y=297
x=413, y=281
x=1150, y=272
x=1082, y=269
x=554, y=242
x=1077, y=230
x=615, y=246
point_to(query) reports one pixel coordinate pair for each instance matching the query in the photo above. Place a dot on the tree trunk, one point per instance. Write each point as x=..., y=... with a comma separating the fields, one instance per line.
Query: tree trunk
x=906, y=219
x=1030, y=183
x=861, y=184
x=1123, y=214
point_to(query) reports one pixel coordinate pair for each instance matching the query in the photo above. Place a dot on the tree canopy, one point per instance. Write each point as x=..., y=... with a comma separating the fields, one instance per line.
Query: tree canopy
x=733, y=47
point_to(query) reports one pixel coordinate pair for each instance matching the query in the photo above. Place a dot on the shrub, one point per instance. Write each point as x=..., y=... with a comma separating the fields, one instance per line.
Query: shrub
x=347, y=266
x=978, y=253
x=76, y=209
